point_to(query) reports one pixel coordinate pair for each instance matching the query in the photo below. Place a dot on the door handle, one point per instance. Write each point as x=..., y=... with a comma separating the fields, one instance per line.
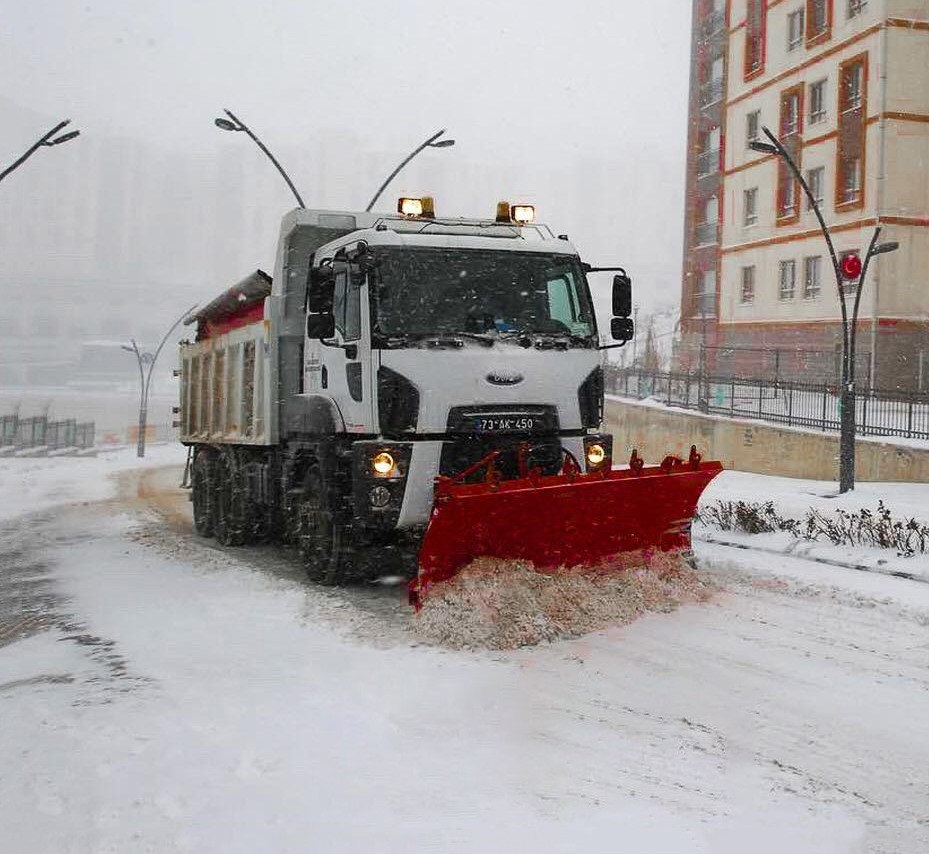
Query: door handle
x=324, y=377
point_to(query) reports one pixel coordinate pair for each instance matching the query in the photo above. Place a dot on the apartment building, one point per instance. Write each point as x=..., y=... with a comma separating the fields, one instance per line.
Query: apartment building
x=844, y=84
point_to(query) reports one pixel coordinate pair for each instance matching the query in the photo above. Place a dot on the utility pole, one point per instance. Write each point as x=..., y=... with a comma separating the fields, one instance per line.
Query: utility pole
x=432, y=142
x=48, y=140
x=849, y=268
x=234, y=123
x=145, y=378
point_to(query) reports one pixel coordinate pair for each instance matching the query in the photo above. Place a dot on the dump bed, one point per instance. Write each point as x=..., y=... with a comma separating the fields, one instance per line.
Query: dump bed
x=226, y=372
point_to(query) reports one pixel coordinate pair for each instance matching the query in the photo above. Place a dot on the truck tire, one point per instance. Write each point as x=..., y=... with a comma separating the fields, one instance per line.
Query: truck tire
x=201, y=480
x=323, y=534
x=230, y=500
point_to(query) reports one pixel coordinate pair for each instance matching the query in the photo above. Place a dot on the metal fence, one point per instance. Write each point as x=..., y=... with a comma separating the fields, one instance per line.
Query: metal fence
x=39, y=432
x=794, y=404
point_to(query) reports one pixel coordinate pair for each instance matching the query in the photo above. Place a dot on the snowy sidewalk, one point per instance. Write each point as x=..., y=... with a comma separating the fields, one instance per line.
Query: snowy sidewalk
x=32, y=484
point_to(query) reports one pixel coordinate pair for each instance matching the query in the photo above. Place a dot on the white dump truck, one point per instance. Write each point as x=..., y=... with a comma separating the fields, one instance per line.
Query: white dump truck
x=387, y=354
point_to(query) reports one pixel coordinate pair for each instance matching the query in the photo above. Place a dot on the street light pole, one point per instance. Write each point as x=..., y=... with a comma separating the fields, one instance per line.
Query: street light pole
x=44, y=141
x=432, y=142
x=234, y=123
x=145, y=379
x=847, y=412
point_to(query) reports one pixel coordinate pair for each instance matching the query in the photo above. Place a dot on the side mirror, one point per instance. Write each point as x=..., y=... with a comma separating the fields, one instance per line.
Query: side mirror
x=622, y=329
x=320, y=325
x=622, y=295
x=320, y=292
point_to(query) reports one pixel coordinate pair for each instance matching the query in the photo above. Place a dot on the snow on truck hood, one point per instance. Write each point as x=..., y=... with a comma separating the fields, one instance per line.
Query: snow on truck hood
x=464, y=377
x=446, y=240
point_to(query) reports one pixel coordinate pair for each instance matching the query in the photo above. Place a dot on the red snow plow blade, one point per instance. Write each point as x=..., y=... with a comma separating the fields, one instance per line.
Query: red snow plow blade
x=604, y=520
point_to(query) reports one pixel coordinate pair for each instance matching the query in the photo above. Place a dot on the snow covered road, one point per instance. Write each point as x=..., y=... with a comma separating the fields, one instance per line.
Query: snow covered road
x=157, y=693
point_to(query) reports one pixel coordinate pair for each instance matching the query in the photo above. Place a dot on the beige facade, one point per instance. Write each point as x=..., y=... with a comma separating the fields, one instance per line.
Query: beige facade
x=845, y=85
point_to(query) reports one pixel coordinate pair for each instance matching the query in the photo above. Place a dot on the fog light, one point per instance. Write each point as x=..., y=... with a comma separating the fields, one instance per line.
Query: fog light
x=596, y=454
x=383, y=464
x=379, y=496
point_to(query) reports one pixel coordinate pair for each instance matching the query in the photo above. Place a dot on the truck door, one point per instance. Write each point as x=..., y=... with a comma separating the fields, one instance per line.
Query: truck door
x=347, y=355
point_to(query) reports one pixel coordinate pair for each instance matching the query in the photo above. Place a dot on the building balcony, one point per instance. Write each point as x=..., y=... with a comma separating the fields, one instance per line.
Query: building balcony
x=705, y=233
x=707, y=162
x=714, y=23
x=705, y=305
x=711, y=92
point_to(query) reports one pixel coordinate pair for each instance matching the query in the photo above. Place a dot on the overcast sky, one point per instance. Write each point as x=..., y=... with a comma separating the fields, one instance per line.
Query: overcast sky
x=535, y=85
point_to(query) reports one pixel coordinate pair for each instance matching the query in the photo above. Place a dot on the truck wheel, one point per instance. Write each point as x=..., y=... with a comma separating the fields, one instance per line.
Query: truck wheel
x=202, y=487
x=322, y=533
x=229, y=500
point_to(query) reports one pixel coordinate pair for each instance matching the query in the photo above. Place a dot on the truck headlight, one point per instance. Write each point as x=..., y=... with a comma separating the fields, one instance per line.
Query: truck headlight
x=598, y=452
x=383, y=464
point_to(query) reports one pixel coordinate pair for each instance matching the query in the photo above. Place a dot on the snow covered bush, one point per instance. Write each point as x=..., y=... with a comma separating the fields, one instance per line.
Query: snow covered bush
x=876, y=529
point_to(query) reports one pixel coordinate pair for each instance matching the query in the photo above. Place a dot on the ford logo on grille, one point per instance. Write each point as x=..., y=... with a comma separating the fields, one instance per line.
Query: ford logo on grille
x=504, y=378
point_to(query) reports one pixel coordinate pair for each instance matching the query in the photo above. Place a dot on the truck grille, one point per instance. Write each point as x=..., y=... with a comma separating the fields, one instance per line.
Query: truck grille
x=469, y=445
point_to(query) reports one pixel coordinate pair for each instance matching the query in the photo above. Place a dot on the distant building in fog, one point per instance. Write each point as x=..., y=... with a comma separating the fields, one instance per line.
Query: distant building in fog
x=845, y=84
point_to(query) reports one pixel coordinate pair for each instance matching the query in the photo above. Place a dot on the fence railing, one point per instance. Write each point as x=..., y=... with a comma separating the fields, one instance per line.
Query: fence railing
x=711, y=91
x=38, y=431
x=707, y=162
x=705, y=233
x=793, y=404
x=713, y=23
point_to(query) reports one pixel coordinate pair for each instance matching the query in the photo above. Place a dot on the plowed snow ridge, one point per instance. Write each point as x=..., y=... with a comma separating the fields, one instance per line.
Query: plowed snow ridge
x=499, y=604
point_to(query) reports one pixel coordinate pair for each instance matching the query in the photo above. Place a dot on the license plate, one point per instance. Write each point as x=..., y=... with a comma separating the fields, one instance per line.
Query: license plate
x=506, y=423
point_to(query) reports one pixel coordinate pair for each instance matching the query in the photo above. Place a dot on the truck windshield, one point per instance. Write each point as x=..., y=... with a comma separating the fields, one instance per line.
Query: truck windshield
x=454, y=291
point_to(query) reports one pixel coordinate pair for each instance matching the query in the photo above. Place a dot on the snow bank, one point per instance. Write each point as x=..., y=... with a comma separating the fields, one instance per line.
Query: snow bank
x=794, y=498
x=31, y=484
x=499, y=604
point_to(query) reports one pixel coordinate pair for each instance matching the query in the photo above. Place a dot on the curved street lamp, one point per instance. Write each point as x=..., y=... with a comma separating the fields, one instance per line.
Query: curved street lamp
x=847, y=413
x=432, y=142
x=145, y=379
x=47, y=140
x=233, y=123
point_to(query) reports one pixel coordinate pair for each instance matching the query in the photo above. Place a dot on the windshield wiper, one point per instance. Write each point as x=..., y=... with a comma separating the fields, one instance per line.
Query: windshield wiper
x=547, y=340
x=389, y=342
x=456, y=339
x=431, y=339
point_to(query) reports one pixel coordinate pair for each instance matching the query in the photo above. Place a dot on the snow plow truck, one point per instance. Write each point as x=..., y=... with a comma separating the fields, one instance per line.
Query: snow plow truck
x=410, y=384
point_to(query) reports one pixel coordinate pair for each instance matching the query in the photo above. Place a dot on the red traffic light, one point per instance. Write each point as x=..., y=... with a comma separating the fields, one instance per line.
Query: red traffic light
x=851, y=266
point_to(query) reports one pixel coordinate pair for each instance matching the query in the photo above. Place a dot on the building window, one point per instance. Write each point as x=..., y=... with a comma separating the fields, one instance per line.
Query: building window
x=851, y=151
x=788, y=197
x=818, y=21
x=711, y=90
x=851, y=179
x=788, y=280
x=748, y=285
x=750, y=206
x=812, y=277
x=794, y=29
x=790, y=114
x=752, y=126
x=756, y=22
x=817, y=102
x=852, y=79
x=706, y=299
x=856, y=7
x=707, y=229
x=708, y=158
x=815, y=179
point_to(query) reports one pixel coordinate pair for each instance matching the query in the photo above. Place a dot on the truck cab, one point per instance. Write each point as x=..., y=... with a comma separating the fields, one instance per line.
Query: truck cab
x=402, y=349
